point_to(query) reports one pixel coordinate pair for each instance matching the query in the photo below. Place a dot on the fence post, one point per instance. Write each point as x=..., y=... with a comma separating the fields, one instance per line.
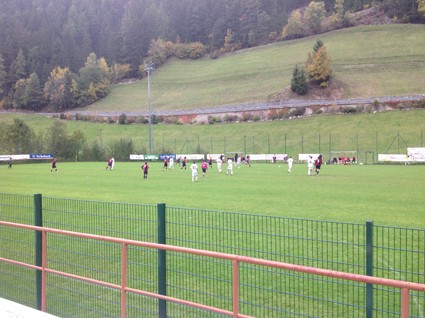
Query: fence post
x=268, y=143
x=38, y=221
x=369, y=268
x=162, y=262
x=302, y=143
x=330, y=147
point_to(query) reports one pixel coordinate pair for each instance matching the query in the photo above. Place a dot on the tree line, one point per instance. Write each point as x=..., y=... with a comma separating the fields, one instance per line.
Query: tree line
x=66, y=53
x=18, y=138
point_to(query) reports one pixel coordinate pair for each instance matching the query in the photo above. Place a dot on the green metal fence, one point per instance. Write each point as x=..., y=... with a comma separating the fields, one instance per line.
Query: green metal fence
x=389, y=252
x=367, y=145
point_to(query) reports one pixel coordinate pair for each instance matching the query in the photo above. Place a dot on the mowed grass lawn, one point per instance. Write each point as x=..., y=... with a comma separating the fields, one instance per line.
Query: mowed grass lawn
x=386, y=194
x=370, y=61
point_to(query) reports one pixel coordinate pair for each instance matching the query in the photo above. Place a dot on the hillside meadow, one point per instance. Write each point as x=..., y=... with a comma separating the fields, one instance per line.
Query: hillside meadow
x=387, y=132
x=368, y=61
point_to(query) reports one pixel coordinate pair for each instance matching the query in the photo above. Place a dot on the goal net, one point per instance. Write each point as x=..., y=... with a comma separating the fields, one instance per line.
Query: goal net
x=343, y=157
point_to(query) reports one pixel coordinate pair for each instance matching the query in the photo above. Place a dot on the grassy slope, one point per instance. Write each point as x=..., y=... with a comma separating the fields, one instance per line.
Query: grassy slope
x=372, y=132
x=369, y=60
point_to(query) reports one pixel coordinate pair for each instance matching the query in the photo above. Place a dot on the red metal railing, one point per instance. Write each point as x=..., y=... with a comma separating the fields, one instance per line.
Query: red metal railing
x=405, y=287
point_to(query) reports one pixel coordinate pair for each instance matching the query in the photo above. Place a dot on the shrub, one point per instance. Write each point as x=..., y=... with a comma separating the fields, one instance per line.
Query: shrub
x=157, y=119
x=100, y=119
x=256, y=118
x=215, y=54
x=349, y=109
x=376, y=103
x=122, y=120
x=296, y=112
x=272, y=114
x=247, y=117
x=368, y=109
x=142, y=120
x=214, y=119
x=420, y=103
x=193, y=50
x=211, y=120
x=171, y=120
x=196, y=50
x=230, y=118
x=131, y=120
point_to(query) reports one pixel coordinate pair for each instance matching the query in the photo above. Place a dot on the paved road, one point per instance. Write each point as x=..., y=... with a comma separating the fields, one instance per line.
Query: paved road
x=260, y=106
x=252, y=106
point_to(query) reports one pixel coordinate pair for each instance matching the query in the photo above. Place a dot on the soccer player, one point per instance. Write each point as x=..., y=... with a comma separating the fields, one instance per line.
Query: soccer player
x=54, y=165
x=239, y=161
x=310, y=165
x=229, y=167
x=109, y=164
x=171, y=163
x=219, y=163
x=165, y=163
x=112, y=163
x=204, y=168
x=210, y=162
x=9, y=163
x=145, y=168
x=194, y=168
x=290, y=161
x=318, y=164
x=248, y=160
x=183, y=164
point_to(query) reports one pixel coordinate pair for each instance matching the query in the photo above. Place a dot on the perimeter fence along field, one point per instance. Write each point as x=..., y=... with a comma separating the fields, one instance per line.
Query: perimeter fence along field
x=366, y=146
x=366, y=249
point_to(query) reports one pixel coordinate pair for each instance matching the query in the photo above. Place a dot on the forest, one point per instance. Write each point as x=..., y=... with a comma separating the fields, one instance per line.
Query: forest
x=77, y=48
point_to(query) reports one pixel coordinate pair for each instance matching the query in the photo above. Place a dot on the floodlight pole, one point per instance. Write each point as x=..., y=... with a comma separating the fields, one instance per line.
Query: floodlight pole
x=149, y=67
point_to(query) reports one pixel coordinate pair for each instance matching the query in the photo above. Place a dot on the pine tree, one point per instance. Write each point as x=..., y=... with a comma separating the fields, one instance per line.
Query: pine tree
x=317, y=45
x=3, y=77
x=17, y=70
x=299, y=83
x=34, y=93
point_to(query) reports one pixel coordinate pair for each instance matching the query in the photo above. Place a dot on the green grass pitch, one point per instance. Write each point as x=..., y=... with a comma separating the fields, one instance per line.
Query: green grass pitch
x=386, y=194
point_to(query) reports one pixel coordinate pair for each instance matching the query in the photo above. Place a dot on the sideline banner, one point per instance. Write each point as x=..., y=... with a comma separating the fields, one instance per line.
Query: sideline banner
x=137, y=157
x=151, y=157
x=416, y=154
x=26, y=157
x=169, y=155
x=41, y=156
x=191, y=156
x=392, y=158
x=144, y=157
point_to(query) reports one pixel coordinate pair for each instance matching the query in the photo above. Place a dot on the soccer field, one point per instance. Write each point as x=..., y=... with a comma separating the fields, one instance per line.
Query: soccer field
x=386, y=194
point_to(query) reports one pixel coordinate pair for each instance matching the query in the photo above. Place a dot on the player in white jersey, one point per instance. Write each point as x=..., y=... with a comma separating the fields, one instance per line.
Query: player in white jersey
x=229, y=166
x=310, y=165
x=194, y=168
x=290, y=161
x=219, y=163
